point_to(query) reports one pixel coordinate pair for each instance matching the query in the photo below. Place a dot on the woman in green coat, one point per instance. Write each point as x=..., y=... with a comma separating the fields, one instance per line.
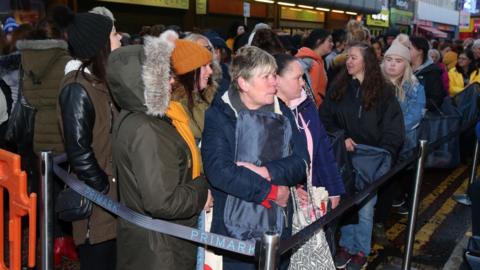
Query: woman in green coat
x=155, y=158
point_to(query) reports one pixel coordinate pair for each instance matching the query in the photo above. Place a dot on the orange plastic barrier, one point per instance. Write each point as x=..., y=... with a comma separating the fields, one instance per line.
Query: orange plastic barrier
x=20, y=205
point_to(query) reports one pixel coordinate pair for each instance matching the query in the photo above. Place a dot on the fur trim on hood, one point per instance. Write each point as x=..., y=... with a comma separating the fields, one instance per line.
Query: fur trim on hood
x=139, y=76
x=43, y=44
x=156, y=75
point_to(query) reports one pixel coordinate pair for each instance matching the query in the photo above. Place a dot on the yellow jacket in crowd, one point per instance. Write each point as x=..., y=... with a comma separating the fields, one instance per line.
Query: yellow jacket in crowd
x=456, y=80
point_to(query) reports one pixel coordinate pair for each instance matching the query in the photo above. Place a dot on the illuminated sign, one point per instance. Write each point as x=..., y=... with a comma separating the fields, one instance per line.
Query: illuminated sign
x=402, y=4
x=181, y=4
x=201, y=7
x=302, y=15
x=381, y=19
x=398, y=16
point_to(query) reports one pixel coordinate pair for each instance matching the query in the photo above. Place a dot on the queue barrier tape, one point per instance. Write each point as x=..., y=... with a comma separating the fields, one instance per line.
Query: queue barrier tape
x=14, y=181
x=247, y=248
x=307, y=232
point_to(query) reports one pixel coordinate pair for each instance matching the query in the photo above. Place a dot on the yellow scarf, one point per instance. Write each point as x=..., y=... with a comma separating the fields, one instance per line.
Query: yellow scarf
x=180, y=120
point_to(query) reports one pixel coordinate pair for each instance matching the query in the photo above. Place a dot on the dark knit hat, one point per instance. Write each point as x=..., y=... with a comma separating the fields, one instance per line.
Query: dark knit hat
x=88, y=33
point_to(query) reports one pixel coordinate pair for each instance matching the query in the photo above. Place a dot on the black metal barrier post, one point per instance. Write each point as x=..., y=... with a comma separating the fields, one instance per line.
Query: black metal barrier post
x=269, y=254
x=412, y=216
x=46, y=209
x=464, y=198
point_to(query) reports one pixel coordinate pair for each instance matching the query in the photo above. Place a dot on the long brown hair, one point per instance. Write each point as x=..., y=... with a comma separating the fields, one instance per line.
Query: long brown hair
x=373, y=85
x=97, y=64
x=191, y=82
x=267, y=40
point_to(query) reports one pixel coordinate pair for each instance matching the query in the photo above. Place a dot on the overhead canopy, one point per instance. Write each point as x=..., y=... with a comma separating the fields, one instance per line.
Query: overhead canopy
x=435, y=32
x=365, y=6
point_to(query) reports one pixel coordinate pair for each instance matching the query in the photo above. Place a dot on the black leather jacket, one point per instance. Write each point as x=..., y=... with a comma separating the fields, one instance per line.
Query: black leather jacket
x=78, y=119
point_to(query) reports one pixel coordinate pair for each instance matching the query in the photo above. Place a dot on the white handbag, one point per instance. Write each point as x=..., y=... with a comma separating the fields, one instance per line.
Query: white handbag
x=315, y=253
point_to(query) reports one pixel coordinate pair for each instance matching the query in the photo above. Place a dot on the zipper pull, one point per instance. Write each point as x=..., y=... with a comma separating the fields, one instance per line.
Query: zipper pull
x=111, y=116
x=88, y=228
x=285, y=217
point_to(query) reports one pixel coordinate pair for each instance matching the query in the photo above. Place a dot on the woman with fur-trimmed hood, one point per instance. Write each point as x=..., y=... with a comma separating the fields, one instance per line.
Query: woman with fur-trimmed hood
x=155, y=156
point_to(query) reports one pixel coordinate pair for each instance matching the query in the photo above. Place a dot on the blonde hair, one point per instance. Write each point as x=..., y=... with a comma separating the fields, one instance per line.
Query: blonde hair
x=356, y=32
x=250, y=61
x=407, y=78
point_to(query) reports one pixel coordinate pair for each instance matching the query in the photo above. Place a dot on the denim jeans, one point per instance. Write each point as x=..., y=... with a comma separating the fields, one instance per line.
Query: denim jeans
x=358, y=237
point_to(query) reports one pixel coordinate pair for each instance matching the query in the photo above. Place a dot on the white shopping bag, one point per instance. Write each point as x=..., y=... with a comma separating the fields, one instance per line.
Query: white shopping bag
x=206, y=259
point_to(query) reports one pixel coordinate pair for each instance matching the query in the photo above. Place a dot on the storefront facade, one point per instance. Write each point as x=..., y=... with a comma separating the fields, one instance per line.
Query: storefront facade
x=472, y=30
x=434, y=21
x=293, y=20
x=401, y=15
x=299, y=15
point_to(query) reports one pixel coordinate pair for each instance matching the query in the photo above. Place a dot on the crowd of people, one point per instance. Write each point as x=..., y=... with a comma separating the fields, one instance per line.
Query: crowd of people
x=176, y=124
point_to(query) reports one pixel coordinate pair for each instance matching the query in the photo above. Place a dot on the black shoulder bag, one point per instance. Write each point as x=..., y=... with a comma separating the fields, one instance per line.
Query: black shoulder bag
x=71, y=206
x=22, y=119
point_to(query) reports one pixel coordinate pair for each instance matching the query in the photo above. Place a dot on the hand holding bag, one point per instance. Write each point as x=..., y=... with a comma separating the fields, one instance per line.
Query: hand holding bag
x=260, y=137
x=313, y=254
x=71, y=206
x=370, y=164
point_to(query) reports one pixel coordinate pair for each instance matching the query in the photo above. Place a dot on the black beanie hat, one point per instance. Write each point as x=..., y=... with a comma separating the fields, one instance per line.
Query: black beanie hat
x=88, y=33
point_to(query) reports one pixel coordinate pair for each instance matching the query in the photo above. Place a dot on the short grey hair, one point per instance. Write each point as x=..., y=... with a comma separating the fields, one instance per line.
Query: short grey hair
x=195, y=37
x=476, y=44
x=436, y=52
x=250, y=61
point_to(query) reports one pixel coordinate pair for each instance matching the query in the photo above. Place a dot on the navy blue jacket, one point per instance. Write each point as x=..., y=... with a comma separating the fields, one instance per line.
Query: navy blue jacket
x=325, y=171
x=225, y=177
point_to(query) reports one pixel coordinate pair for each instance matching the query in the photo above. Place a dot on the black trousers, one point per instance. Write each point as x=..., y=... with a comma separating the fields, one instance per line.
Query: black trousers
x=399, y=186
x=474, y=193
x=102, y=256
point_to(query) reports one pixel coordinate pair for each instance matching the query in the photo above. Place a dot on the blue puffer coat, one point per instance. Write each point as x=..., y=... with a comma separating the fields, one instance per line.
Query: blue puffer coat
x=225, y=177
